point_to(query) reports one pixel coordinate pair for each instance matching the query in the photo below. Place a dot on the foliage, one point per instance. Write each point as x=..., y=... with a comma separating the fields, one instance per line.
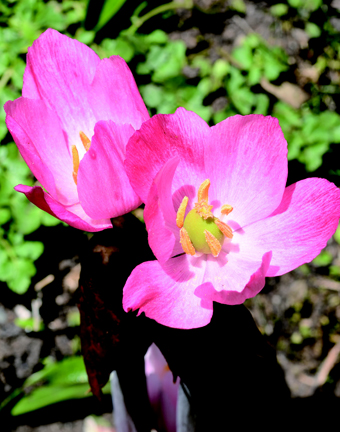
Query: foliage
x=56, y=382
x=17, y=219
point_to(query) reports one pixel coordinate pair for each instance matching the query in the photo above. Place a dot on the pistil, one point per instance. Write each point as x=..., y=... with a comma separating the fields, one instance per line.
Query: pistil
x=200, y=230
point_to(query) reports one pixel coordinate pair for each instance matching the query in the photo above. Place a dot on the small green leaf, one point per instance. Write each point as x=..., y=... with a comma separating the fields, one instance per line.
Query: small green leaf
x=337, y=235
x=244, y=56
x=279, y=9
x=29, y=249
x=312, y=30
x=323, y=259
x=238, y=5
x=5, y=215
x=110, y=8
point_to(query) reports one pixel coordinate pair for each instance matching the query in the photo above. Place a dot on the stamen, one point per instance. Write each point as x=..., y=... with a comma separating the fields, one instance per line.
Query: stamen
x=75, y=158
x=86, y=142
x=181, y=212
x=224, y=228
x=226, y=209
x=186, y=242
x=203, y=191
x=213, y=243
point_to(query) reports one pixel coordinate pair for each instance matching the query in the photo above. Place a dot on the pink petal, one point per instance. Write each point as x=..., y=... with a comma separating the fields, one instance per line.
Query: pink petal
x=59, y=71
x=166, y=294
x=103, y=186
x=73, y=215
x=114, y=94
x=232, y=283
x=163, y=137
x=300, y=227
x=37, y=133
x=169, y=401
x=160, y=216
x=246, y=162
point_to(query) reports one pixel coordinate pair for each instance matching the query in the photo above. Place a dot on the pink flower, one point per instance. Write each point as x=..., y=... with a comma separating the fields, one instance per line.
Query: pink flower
x=162, y=390
x=71, y=126
x=266, y=230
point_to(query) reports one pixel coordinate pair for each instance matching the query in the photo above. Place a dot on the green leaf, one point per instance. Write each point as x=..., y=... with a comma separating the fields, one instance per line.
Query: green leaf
x=244, y=56
x=30, y=249
x=337, y=235
x=312, y=30
x=58, y=382
x=220, y=69
x=323, y=259
x=110, y=8
x=279, y=9
x=5, y=215
x=20, y=279
x=157, y=37
x=238, y=5
x=152, y=95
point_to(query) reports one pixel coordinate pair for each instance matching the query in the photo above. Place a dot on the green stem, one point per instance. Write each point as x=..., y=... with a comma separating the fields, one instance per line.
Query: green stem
x=186, y=4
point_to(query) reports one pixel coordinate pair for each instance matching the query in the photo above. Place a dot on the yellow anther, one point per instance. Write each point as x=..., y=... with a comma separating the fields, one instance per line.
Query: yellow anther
x=213, y=243
x=181, y=212
x=86, y=142
x=75, y=158
x=224, y=228
x=226, y=209
x=186, y=242
x=203, y=191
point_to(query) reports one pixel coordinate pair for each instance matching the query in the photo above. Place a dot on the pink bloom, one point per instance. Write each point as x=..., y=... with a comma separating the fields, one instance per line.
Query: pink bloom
x=267, y=229
x=71, y=126
x=162, y=390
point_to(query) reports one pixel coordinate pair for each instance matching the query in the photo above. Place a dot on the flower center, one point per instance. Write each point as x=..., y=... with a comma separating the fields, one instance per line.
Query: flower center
x=200, y=230
x=75, y=155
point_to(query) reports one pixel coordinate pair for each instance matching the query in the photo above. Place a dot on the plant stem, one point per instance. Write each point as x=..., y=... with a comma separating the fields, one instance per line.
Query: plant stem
x=139, y=21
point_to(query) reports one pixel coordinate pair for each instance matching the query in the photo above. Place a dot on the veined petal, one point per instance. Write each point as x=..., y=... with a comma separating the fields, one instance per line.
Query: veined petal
x=59, y=71
x=299, y=228
x=160, y=216
x=36, y=131
x=163, y=137
x=114, y=94
x=234, y=281
x=103, y=186
x=72, y=215
x=246, y=162
x=166, y=293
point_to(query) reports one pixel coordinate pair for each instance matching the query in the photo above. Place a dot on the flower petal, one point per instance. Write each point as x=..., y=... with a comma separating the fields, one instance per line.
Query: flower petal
x=73, y=215
x=246, y=161
x=166, y=294
x=300, y=227
x=182, y=134
x=241, y=278
x=114, y=94
x=160, y=216
x=103, y=186
x=60, y=70
x=41, y=142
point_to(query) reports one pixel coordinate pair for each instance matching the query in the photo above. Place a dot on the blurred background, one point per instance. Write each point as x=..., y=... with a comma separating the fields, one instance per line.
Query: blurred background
x=217, y=58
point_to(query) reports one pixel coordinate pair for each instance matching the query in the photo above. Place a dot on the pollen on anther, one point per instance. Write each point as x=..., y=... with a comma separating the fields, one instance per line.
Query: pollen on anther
x=186, y=242
x=203, y=191
x=226, y=209
x=181, y=212
x=75, y=158
x=224, y=228
x=85, y=140
x=213, y=243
